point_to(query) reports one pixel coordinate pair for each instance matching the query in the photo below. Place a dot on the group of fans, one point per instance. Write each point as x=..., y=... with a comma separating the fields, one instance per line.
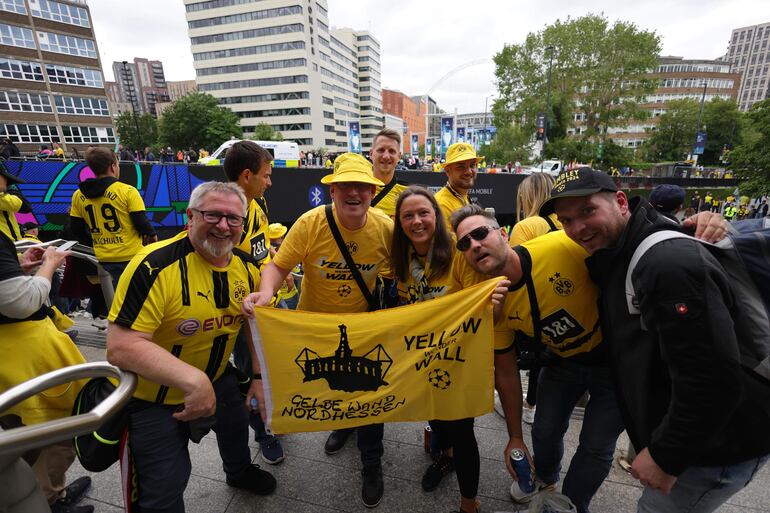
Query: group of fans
x=698, y=423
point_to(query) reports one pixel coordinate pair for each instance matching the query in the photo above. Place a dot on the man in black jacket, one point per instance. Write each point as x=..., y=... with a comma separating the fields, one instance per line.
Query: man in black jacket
x=698, y=420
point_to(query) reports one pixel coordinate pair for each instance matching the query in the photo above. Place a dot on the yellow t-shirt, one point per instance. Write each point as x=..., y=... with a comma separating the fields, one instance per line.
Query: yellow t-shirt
x=388, y=203
x=530, y=228
x=114, y=235
x=192, y=308
x=9, y=205
x=417, y=288
x=255, y=239
x=327, y=286
x=448, y=201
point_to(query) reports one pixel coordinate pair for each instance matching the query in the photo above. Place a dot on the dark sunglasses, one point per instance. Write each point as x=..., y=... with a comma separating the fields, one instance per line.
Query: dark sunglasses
x=477, y=234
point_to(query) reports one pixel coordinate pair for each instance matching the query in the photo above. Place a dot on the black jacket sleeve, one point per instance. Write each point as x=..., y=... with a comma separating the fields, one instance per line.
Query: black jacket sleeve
x=141, y=223
x=79, y=230
x=685, y=300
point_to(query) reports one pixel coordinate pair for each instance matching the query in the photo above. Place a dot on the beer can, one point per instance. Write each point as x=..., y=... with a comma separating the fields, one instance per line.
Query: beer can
x=426, y=439
x=523, y=472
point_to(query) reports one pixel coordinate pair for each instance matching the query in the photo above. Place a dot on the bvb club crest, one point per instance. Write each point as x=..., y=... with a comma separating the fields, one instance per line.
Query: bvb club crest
x=342, y=370
x=239, y=291
x=352, y=247
x=561, y=285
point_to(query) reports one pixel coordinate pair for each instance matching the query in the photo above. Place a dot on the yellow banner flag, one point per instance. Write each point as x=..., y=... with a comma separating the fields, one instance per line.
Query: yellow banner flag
x=430, y=360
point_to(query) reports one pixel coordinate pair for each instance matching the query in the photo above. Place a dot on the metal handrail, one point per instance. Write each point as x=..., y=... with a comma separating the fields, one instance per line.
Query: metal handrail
x=17, y=441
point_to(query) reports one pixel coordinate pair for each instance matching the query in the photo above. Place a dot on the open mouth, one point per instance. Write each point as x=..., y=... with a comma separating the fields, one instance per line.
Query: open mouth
x=481, y=257
x=220, y=236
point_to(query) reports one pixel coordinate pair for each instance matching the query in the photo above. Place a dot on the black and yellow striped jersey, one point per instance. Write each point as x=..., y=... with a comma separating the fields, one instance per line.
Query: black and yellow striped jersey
x=191, y=308
x=255, y=239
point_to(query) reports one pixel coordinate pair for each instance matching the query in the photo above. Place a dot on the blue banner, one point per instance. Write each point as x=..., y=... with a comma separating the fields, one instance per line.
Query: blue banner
x=700, y=143
x=428, y=147
x=461, y=134
x=354, y=136
x=415, y=145
x=447, y=133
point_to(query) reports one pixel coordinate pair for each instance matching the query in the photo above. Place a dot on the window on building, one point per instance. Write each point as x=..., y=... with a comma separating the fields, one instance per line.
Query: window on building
x=248, y=34
x=252, y=66
x=21, y=70
x=213, y=4
x=249, y=50
x=24, y=102
x=71, y=45
x=24, y=133
x=88, y=134
x=57, y=11
x=74, y=76
x=81, y=106
x=246, y=17
x=259, y=82
x=16, y=6
x=13, y=35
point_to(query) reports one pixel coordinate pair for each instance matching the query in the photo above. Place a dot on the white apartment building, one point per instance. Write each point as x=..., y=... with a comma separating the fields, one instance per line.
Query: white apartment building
x=278, y=62
x=749, y=52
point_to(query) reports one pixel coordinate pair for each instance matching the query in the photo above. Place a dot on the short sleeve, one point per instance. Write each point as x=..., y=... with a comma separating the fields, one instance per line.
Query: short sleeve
x=294, y=247
x=135, y=203
x=139, y=302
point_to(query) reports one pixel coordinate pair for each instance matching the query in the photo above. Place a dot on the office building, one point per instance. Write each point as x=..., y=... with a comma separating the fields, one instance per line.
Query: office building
x=142, y=84
x=51, y=80
x=278, y=62
x=411, y=109
x=749, y=52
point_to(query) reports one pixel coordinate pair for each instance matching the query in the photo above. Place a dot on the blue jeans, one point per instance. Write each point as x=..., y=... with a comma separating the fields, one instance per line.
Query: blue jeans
x=559, y=388
x=701, y=489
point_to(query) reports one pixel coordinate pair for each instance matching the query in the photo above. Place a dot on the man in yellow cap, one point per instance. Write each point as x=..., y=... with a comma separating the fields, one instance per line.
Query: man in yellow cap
x=328, y=286
x=460, y=167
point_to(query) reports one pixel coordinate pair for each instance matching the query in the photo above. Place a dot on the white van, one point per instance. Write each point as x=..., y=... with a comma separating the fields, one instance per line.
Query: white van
x=285, y=153
x=552, y=167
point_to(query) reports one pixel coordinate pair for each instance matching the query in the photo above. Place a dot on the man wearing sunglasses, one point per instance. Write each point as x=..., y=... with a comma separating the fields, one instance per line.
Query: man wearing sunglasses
x=174, y=320
x=460, y=167
x=552, y=300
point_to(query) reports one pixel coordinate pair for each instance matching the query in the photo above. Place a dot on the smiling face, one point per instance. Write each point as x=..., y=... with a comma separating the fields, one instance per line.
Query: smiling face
x=385, y=154
x=352, y=200
x=214, y=242
x=418, y=221
x=462, y=175
x=596, y=221
x=487, y=256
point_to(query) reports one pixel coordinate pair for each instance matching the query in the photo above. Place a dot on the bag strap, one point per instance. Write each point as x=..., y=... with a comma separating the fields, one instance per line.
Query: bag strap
x=551, y=224
x=384, y=192
x=526, y=268
x=349, y=259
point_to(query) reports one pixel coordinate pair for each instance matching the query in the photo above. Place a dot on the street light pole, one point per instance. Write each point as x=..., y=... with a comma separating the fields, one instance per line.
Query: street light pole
x=132, y=97
x=697, y=124
x=549, y=49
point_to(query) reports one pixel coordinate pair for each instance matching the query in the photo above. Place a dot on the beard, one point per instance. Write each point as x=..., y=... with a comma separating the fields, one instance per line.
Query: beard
x=218, y=249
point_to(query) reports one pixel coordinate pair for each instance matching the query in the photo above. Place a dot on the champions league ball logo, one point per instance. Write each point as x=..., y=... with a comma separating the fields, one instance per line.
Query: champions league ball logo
x=439, y=378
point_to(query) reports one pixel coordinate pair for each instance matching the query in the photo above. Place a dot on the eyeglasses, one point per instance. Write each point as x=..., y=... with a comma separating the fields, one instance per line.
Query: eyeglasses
x=213, y=217
x=477, y=234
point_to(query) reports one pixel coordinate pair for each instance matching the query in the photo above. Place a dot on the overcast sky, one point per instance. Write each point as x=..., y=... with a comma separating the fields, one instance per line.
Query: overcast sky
x=422, y=41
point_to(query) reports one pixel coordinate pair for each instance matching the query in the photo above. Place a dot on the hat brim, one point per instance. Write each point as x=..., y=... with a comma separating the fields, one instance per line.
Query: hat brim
x=279, y=233
x=463, y=159
x=548, y=207
x=351, y=176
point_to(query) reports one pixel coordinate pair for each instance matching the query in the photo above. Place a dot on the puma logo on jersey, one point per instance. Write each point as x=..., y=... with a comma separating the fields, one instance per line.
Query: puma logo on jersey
x=515, y=317
x=150, y=268
x=206, y=295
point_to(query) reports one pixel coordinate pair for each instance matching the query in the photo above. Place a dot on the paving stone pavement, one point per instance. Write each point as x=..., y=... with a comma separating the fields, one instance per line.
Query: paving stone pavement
x=309, y=481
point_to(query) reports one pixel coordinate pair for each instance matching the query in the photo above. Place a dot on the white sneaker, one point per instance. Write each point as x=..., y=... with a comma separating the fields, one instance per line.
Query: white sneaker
x=528, y=413
x=99, y=323
x=522, y=497
x=499, y=405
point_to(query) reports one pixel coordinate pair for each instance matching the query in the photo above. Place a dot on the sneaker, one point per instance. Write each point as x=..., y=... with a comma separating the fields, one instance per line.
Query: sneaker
x=272, y=451
x=499, y=405
x=624, y=464
x=528, y=413
x=337, y=439
x=476, y=509
x=522, y=497
x=372, y=487
x=443, y=466
x=72, y=508
x=75, y=491
x=73, y=335
x=254, y=480
x=99, y=323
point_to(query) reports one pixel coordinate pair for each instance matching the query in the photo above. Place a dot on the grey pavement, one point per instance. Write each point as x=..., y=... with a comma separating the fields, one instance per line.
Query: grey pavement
x=311, y=481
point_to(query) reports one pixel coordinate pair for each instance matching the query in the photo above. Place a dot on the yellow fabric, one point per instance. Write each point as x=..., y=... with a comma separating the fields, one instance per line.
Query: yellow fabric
x=114, y=235
x=409, y=290
x=351, y=167
x=61, y=321
x=388, y=203
x=196, y=318
x=458, y=152
x=449, y=201
x=531, y=227
x=29, y=349
x=327, y=285
x=566, y=297
x=276, y=230
x=436, y=363
x=9, y=205
x=255, y=239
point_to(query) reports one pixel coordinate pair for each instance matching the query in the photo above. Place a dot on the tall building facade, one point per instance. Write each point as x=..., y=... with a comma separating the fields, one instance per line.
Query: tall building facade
x=51, y=80
x=749, y=53
x=142, y=84
x=179, y=88
x=412, y=110
x=678, y=78
x=278, y=62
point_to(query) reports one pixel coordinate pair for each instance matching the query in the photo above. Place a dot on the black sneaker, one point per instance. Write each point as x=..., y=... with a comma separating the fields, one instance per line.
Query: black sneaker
x=337, y=439
x=254, y=480
x=75, y=491
x=71, y=508
x=441, y=467
x=372, y=488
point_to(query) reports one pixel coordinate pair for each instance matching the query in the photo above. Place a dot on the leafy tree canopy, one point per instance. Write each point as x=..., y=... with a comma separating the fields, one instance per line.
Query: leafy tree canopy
x=197, y=121
x=147, y=134
x=264, y=132
x=751, y=159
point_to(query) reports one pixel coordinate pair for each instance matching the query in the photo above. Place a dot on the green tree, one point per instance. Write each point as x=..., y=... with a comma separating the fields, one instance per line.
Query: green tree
x=722, y=123
x=264, y=132
x=127, y=130
x=674, y=133
x=509, y=145
x=598, y=69
x=751, y=159
x=197, y=120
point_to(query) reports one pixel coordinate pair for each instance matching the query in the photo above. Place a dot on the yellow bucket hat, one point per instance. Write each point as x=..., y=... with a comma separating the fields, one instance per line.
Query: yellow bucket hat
x=351, y=167
x=276, y=230
x=458, y=152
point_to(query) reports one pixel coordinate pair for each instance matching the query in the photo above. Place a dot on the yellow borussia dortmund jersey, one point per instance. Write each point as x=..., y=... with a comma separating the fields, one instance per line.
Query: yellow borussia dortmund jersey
x=327, y=285
x=448, y=201
x=9, y=205
x=418, y=288
x=255, y=239
x=114, y=235
x=192, y=308
x=530, y=228
x=388, y=203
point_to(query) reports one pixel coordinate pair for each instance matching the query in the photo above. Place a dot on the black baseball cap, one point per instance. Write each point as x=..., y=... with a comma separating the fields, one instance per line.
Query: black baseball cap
x=667, y=197
x=8, y=176
x=582, y=181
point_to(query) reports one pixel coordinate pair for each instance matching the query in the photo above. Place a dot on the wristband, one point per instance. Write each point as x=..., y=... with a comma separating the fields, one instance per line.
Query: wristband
x=257, y=375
